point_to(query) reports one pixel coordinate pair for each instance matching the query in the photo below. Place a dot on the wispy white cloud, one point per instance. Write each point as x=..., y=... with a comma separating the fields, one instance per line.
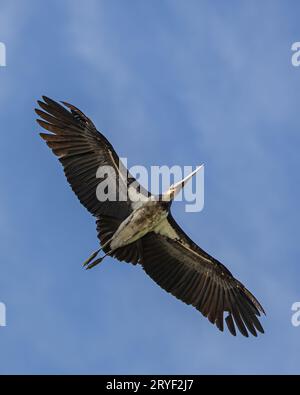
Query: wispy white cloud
x=13, y=19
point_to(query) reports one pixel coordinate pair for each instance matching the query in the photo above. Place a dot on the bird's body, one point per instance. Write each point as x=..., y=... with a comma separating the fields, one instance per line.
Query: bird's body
x=143, y=220
x=144, y=231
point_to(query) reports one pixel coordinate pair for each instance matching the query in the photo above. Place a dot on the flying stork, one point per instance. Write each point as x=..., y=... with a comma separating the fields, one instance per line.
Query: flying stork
x=144, y=232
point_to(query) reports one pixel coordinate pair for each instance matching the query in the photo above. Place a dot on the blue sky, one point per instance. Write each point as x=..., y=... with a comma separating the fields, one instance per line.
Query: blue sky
x=168, y=82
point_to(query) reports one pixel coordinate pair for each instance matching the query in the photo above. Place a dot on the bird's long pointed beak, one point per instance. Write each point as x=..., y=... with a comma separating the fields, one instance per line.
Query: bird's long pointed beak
x=179, y=185
x=176, y=188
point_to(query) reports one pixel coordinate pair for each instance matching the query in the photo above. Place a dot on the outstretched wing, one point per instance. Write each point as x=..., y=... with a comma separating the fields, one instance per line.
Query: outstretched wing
x=182, y=268
x=82, y=150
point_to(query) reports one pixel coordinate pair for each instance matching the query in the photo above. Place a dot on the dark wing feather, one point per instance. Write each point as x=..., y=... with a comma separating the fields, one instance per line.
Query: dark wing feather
x=182, y=268
x=82, y=150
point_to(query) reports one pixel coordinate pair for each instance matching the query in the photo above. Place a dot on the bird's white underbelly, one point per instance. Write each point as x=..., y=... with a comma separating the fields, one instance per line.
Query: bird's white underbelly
x=139, y=223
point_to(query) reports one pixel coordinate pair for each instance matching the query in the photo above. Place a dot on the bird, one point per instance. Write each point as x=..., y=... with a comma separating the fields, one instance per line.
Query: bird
x=143, y=231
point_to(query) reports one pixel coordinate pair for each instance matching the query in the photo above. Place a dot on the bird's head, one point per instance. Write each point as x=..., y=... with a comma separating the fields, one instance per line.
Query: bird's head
x=174, y=189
